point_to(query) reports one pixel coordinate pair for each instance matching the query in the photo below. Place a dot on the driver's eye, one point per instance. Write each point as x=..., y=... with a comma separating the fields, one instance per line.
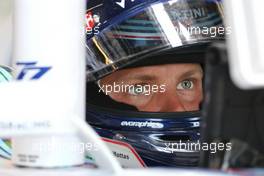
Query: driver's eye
x=185, y=85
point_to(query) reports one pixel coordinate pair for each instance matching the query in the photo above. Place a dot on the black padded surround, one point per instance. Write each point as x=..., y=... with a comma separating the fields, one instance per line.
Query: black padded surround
x=231, y=114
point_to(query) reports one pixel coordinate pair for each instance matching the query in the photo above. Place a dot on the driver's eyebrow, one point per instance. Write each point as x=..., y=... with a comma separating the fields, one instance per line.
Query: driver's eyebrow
x=191, y=73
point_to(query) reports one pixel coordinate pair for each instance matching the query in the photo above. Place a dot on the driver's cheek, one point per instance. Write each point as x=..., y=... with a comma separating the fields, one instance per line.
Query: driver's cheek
x=167, y=102
x=136, y=101
x=163, y=102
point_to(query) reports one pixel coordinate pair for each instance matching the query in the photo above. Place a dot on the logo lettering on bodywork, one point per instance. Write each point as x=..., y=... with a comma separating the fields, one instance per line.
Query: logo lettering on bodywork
x=29, y=67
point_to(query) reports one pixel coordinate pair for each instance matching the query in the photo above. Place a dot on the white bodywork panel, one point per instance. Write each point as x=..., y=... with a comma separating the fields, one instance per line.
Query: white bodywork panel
x=246, y=43
x=6, y=9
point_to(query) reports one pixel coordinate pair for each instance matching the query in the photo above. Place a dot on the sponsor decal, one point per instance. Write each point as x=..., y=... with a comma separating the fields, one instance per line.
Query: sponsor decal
x=125, y=154
x=138, y=124
x=31, y=68
x=92, y=23
x=122, y=3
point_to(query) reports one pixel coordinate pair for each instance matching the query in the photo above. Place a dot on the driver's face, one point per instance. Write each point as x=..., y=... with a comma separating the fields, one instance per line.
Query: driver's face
x=179, y=87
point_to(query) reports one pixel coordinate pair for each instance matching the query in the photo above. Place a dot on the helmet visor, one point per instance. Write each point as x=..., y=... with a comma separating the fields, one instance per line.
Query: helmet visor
x=159, y=27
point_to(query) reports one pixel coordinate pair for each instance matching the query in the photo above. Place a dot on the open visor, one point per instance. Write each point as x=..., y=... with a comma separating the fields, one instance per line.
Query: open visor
x=159, y=27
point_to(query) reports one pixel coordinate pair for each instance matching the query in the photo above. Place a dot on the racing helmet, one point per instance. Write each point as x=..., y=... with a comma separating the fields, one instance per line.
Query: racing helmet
x=125, y=34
